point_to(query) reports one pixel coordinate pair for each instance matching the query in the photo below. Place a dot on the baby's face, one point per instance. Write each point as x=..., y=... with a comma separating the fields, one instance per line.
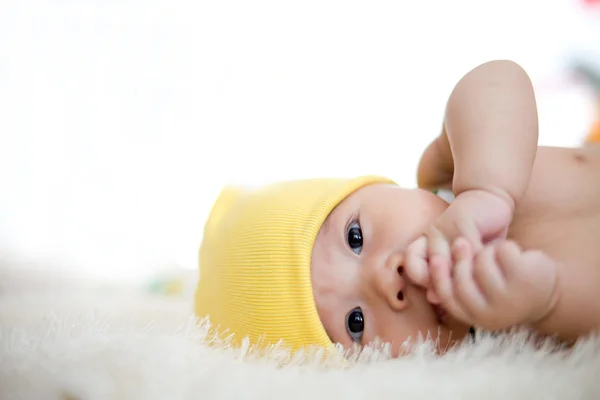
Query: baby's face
x=359, y=285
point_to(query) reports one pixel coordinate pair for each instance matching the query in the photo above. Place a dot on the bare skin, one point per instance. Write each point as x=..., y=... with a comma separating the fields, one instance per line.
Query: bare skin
x=545, y=199
x=548, y=218
x=366, y=276
x=560, y=215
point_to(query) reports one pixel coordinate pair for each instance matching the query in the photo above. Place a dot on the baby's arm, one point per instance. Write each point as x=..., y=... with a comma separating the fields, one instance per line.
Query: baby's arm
x=490, y=134
x=487, y=149
x=577, y=311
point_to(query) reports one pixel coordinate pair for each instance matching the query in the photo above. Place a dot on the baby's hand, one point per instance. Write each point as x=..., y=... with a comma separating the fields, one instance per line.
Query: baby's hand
x=499, y=287
x=480, y=216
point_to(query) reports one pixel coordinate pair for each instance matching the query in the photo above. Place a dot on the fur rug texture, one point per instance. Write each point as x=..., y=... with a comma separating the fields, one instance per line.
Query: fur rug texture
x=82, y=344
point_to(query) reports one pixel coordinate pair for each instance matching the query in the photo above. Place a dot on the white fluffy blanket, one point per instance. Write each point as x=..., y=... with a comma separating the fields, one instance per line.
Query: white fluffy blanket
x=87, y=345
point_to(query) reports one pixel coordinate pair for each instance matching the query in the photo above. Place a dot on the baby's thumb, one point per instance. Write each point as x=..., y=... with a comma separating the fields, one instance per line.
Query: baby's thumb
x=416, y=265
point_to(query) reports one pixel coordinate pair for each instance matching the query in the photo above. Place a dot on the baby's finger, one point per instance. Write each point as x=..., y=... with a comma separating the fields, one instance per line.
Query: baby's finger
x=441, y=280
x=488, y=275
x=443, y=288
x=438, y=246
x=466, y=290
x=508, y=256
x=416, y=265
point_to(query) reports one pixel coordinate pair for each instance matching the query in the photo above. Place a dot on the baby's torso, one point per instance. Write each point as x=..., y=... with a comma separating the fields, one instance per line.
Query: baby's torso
x=560, y=214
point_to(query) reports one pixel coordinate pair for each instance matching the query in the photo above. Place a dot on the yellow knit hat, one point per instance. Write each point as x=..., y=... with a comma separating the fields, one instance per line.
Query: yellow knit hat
x=255, y=260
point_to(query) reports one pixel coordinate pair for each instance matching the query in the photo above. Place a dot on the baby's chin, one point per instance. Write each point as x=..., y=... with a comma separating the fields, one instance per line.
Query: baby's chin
x=453, y=332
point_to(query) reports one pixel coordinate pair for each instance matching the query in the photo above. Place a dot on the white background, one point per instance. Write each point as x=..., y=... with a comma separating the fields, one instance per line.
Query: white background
x=120, y=121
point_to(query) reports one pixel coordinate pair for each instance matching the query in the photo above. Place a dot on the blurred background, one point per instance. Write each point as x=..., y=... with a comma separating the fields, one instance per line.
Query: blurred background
x=120, y=121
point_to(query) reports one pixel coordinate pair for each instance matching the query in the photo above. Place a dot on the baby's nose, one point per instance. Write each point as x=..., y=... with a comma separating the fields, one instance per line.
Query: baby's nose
x=400, y=294
x=392, y=284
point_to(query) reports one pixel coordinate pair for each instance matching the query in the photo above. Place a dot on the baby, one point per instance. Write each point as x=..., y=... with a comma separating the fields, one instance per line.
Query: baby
x=323, y=261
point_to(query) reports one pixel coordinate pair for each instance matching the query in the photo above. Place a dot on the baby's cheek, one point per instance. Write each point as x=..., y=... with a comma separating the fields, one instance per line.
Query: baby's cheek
x=394, y=329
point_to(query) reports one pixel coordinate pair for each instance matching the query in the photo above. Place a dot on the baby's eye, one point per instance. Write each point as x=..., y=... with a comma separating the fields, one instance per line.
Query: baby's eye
x=354, y=238
x=355, y=324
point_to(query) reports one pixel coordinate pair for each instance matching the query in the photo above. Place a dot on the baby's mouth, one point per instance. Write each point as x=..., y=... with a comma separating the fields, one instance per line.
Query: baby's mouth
x=440, y=313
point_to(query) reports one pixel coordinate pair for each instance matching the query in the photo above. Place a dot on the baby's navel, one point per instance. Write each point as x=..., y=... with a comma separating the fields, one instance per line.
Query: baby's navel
x=579, y=157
